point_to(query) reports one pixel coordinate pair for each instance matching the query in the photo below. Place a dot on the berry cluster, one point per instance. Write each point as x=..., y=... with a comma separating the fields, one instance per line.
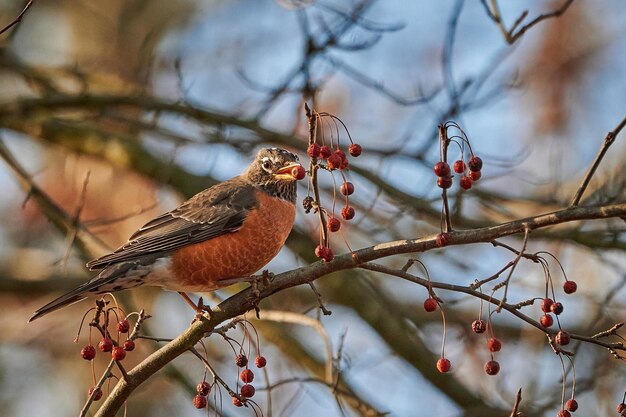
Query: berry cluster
x=203, y=389
x=335, y=159
x=246, y=376
x=444, y=174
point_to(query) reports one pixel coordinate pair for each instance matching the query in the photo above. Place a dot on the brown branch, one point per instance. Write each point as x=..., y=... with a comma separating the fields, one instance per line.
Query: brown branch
x=608, y=141
x=518, y=400
x=18, y=19
x=243, y=301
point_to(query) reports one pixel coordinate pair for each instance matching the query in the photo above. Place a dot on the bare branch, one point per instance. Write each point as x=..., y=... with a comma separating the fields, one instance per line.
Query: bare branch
x=18, y=19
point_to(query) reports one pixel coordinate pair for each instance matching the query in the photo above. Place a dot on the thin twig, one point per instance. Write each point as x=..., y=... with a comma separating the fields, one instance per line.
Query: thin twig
x=608, y=141
x=518, y=400
x=18, y=19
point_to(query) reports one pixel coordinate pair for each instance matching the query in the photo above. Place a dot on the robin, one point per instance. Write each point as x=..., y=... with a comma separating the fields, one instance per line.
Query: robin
x=218, y=237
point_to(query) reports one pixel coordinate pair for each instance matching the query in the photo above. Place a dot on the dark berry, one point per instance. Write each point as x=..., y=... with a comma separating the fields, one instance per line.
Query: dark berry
x=203, y=388
x=442, y=169
x=307, y=203
x=334, y=161
x=105, y=345
x=475, y=164
x=562, y=338
x=442, y=239
x=95, y=393
x=492, y=368
x=494, y=345
x=333, y=224
x=571, y=405
x=247, y=375
x=443, y=365
x=199, y=401
x=479, y=326
x=347, y=212
x=474, y=175
x=466, y=183
x=355, y=149
x=459, y=166
x=129, y=346
x=347, y=188
x=260, y=362
x=237, y=402
x=241, y=360
x=546, y=303
x=324, y=253
x=563, y=413
x=444, y=182
x=325, y=152
x=621, y=407
x=570, y=287
x=118, y=353
x=88, y=352
x=430, y=304
x=123, y=326
x=546, y=320
x=556, y=308
x=313, y=150
x=298, y=172
x=247, y=391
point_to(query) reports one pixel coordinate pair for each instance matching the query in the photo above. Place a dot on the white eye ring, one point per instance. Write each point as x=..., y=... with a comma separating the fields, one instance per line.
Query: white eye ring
x=266, y=164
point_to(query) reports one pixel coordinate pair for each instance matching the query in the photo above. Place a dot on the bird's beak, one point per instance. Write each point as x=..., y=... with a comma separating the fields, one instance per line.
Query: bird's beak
x=291, y=172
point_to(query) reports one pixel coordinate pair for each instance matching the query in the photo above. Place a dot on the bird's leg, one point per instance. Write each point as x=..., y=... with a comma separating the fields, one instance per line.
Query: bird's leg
x=199, y=308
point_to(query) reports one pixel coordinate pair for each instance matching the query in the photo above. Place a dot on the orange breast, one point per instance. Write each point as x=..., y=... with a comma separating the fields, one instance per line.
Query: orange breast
x=238, y=254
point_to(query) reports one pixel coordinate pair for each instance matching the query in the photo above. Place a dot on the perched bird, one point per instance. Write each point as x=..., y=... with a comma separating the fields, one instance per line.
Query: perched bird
x=218, y=237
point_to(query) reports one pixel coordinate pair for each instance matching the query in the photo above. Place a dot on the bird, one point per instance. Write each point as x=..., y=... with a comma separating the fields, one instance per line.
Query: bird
x=218, y=237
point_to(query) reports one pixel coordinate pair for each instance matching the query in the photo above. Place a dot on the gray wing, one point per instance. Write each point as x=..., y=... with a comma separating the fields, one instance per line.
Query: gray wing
x=213, y=212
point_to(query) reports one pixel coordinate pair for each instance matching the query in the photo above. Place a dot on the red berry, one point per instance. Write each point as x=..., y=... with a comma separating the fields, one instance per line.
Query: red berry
x=479, y=326
x=466, y=183
x=324, y=253
x=474, y=175
x=298, y=172
x=546, y=303
x=355, y=149
x=260, y=362
x=199, y=401
x=246, y=375
x=562, y=338
x=556, y=308
x=129, y=346
x=444, y=182
x=494, y=345
x=203, y=388
x=347, y=212
x=347, y=188
x=442, y=169
x=118, y=353
x=459, y=166
x=492, y=368
x=325, y=152
x=333, y=224
x=430, y=304
x=546, y=320
x=313, y=150
x=123, y=326
x=95, y=393
x=475, y=164
x=570, y=287
x=105, y=345
x=334, y=161
x=443, y=365
x=341, y=154
x=563, y=413
x=241, y=360
x=88, y=352
x=571, y=405
x=247, y=391
x=442, y=240
x=621, y=407
x=237, y=402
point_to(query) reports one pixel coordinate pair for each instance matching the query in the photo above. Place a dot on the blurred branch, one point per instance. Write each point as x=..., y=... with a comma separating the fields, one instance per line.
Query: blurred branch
x=247, y=299
x=18, y=19
x=510, y=35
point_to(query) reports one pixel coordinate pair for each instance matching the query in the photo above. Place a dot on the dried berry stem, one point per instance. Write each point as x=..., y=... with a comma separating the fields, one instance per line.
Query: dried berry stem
x=312, y=118
x=443, y=137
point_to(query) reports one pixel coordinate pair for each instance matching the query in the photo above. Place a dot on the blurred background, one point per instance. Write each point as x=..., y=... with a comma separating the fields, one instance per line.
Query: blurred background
x=113, y=112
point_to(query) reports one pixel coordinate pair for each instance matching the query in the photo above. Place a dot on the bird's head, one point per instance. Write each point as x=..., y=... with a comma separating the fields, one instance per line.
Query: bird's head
x=276, y=170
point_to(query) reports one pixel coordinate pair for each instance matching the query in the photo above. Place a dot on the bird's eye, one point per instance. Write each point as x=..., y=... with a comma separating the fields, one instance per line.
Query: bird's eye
x=267, y=165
